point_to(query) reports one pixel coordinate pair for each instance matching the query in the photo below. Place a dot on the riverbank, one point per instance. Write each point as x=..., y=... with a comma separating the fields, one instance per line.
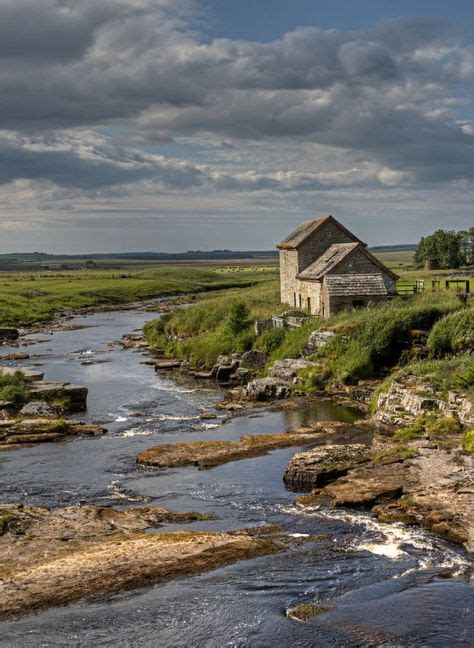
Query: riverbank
x=408, y=364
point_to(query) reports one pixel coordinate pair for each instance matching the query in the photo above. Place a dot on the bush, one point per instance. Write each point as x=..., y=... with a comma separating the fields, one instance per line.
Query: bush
x=270, y=340
x=14, y=389
x=238, y=318
x=453, y=333
x=468, y=441
x=428, y=425
x=415, y=430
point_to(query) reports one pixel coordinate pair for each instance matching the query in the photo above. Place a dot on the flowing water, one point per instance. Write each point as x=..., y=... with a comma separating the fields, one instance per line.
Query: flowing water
x=383, y=585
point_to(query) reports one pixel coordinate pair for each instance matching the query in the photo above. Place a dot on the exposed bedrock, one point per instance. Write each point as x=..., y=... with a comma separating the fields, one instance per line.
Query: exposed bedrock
x=51, y=558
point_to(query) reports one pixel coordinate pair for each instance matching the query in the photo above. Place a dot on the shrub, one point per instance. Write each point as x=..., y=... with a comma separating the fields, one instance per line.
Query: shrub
x=443, y=426
x=238, y=318
x=429, y=424
x=373, y=339
x=468, y=440
x=14, y=388
x=270, y=340
x=415, y=430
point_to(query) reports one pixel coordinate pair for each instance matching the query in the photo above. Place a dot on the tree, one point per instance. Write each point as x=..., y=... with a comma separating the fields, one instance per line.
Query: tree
x=467, y=245
x=238, y=319
x=440, y=250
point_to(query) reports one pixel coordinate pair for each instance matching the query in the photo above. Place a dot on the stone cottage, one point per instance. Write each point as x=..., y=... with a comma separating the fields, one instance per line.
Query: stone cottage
x=324, y=269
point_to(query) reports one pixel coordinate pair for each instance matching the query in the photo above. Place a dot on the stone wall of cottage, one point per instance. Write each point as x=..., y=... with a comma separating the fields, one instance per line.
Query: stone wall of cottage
x=309, y=290
x=288, y=272
x=316, y=244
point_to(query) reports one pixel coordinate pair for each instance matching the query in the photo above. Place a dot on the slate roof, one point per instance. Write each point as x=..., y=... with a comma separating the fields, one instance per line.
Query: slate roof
x=301, y=233
x=331, y=258
x=353, y=285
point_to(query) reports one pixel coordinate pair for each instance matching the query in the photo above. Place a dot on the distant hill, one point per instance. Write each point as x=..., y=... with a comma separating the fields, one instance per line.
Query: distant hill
x=44, y=261
x=393, y=248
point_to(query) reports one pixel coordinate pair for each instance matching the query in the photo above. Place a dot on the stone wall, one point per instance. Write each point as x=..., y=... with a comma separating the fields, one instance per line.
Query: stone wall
x=311, y=290
x=316, y=244
x=288, y=272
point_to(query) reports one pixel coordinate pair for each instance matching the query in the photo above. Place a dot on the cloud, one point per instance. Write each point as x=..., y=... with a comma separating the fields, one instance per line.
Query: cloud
x=91, y=91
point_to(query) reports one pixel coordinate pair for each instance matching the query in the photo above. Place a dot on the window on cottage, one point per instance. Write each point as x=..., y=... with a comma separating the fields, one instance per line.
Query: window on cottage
x=294, y=299
x=309, y=304
x=358, y=303
x=300, y=299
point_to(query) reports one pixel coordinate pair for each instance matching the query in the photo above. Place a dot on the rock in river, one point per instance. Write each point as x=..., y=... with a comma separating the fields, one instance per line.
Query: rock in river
x=322, y=464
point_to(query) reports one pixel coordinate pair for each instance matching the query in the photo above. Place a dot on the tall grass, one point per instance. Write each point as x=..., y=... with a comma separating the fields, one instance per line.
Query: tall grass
x=454, y=333
x=202, y=332
x=369, y=341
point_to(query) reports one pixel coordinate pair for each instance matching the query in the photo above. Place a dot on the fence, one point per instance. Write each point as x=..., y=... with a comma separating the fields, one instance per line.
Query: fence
x=418, y=286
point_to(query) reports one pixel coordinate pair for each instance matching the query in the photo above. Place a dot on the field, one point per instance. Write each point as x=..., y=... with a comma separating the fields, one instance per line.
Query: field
x=30, y=296
x=26, y=298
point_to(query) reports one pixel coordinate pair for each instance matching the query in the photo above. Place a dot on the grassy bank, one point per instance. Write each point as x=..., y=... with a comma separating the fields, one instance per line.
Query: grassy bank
x=29, y=298
x=368, y=342
x=219, y=323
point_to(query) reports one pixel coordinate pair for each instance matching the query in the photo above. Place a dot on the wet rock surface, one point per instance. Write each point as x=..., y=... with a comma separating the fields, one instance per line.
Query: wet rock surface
x=19, y=433
x=429, y=482
x=52, y=558
x=205, y=454
x=319, y=465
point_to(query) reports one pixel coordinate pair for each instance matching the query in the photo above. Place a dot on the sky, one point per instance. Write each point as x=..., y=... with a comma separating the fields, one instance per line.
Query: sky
x=173, y=125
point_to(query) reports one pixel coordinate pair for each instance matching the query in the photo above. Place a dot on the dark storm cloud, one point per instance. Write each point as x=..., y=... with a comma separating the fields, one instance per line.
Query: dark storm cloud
x=383, y=92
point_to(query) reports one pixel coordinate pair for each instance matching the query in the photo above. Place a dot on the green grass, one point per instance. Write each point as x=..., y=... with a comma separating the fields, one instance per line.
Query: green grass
x=454, y=333
x=26, y=298
x=370, y=340
x=429, y=425
x=14, y=389
x=468, y=440
x=366, y=342
x=202, y=332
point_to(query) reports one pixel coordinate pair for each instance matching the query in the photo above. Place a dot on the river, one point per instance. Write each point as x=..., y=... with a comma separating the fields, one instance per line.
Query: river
x=383, y=585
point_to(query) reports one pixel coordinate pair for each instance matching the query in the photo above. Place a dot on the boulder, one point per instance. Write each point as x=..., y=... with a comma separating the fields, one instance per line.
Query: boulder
x=253, y=359
x=289, y=368
x=320, y=465
x=364, y=486
x=224, y=372
x=74, y=396
x=262, y=389
x=37, y=408
x=466, y=412
x=316, y=340
x=241, y=376
x=8, y=333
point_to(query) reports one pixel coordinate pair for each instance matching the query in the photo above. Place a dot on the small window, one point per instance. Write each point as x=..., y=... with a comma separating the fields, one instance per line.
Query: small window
x=294, y=299
x=358, y=303
x=309, y=304
x=300, y=299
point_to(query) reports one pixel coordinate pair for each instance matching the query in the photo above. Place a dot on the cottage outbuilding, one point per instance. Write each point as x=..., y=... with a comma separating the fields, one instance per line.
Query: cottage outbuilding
x=325, y=268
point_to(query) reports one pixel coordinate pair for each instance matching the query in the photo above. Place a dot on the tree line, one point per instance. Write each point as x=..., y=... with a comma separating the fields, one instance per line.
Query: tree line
x=446, y=249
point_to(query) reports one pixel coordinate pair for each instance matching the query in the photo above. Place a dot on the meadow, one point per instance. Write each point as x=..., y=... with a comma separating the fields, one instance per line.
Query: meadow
x=26, y=298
